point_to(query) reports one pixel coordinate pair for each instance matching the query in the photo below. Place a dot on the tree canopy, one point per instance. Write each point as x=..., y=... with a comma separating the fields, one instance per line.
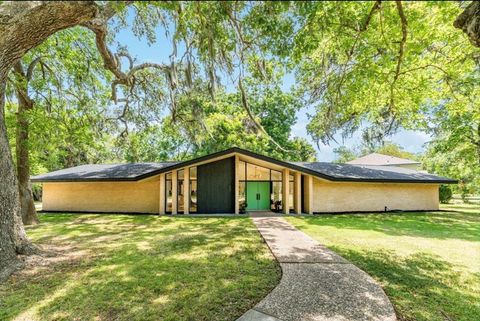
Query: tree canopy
x=345, y=154
x=381, y=66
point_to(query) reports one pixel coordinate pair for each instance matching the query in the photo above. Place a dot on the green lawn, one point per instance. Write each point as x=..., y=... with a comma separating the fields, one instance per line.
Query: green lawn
x=126, y=267
x=428, y=263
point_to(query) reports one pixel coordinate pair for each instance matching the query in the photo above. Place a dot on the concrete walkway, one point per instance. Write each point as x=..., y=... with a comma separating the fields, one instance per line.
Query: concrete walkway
x=317, y=284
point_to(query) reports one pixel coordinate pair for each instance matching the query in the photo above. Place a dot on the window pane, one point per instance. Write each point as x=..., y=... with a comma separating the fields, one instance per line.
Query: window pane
x=169, y=175
x=257, y=173
x=193, y=196
x=276, y=196
x=180, y=174
x=291, y=177
x=193, y=172
x=276, y=176
x=241, y=171
x=180, y=196
x=241, y=193
x=290, y=195
x=168, y=196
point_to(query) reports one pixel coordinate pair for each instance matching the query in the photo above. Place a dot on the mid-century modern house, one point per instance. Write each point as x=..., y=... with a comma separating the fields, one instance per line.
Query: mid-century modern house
x=234, y=179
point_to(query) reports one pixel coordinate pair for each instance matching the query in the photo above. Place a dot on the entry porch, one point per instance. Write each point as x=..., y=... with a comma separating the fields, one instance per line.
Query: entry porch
x=235, y=184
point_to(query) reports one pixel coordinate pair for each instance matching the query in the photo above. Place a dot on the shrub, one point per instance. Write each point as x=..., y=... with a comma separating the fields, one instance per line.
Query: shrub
x=445, y=194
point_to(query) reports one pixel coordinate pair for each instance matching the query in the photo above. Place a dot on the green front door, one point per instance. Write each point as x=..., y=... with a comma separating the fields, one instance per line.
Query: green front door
x=258, y=196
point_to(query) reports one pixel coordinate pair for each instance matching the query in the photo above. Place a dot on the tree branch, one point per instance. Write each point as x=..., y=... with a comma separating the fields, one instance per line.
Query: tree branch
x=31, y=66
x=447, y=76
x=112, y=62
x=252, y=117
x=401, y=51
x=21, y=86
x=376, y=6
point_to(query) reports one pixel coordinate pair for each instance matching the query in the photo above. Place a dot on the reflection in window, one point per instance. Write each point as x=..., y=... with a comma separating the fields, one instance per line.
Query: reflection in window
x=291, y=187
x=193, y=172
x=180, y=174
x=241, y=171
x=242, y=196
x=276, y=175
x=168, y=193
x=257, y=173
x=193, y=189
x=276, y=196
x=180, y=196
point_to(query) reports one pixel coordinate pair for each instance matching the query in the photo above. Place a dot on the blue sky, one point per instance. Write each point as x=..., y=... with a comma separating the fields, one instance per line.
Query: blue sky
x=412, y=141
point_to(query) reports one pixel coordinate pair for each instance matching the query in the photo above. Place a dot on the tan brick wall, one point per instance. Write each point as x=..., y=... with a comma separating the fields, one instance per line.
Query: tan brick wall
x=350, y=197
x=138, y=197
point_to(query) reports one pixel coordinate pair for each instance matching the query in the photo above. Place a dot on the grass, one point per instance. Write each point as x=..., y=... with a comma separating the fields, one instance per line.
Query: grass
x=428, y=262
x=127, y=267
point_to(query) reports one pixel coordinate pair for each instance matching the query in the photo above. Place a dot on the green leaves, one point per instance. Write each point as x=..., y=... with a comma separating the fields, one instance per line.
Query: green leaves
x=347, y=67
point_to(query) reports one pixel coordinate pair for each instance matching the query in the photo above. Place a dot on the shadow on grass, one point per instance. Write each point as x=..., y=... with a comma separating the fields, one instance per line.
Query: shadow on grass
x=438, y=225
x=421, y=286
x=145, y=268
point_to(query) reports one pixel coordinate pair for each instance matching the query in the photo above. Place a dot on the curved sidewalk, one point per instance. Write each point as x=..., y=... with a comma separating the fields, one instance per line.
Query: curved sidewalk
x=317, y=284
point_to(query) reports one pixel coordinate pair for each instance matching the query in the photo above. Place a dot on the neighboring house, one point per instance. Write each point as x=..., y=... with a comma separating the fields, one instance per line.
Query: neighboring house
x=376, y=159
x=225, y=181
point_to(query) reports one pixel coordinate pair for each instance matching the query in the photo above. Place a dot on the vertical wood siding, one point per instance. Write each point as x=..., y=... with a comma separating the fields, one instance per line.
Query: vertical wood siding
x=215, y=186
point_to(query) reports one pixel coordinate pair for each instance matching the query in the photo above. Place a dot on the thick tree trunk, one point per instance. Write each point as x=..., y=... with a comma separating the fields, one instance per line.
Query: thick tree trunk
x=469, y=22
x=27, y=205
x=9, y=208
x=24, y=25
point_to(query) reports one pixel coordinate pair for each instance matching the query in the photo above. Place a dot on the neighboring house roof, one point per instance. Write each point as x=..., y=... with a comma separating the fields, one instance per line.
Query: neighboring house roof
x=328, y=171
x=381, y=160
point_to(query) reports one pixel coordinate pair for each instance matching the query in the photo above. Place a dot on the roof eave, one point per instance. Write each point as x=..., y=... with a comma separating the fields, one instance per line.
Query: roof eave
x=378, y=180
x=66, y=180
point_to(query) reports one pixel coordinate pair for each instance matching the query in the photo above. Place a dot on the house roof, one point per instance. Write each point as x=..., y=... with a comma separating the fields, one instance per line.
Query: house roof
x=328, y=171
x=102, y=172
x=382, y=160
x=347, y=172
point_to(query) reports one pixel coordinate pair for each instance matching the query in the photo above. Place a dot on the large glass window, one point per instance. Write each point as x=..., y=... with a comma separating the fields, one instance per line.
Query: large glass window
x=291, y=188
x=242, y=192
x=257, y=173
x=168, y=193
x=250, y=172
x=193, y=189
x=180, y=195
x=276, y=175
x=276, y=196
x=241, y=171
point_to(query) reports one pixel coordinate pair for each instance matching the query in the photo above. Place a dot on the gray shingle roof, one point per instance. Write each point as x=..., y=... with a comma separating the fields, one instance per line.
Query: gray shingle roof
x=329, y=171
x=347, y=172
x=103, y=172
